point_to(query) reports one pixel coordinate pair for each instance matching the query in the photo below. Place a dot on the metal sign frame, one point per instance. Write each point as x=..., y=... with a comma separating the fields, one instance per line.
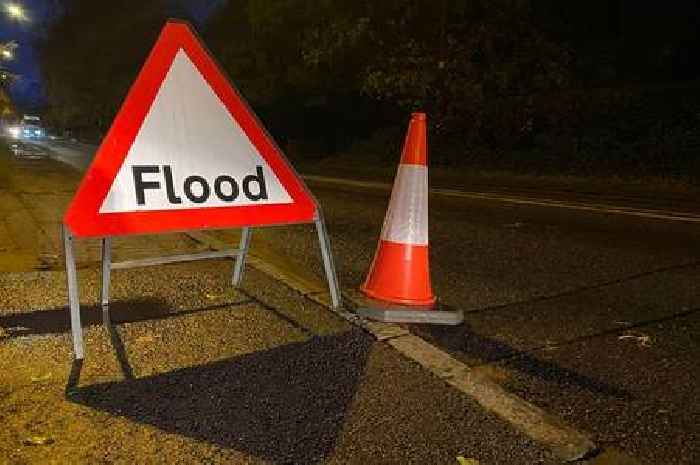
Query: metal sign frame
x=83, y=218
x=107, y=266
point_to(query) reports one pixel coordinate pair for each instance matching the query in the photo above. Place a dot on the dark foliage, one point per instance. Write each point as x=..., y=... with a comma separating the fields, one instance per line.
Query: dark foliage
x=92, y=54
x=531, y=84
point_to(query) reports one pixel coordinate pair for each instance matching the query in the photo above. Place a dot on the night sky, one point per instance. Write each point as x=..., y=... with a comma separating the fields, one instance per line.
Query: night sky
x=648, y=24
x=27, y=92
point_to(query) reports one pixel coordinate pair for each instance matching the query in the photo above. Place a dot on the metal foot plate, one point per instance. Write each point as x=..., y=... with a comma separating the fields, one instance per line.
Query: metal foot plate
x=388, y=313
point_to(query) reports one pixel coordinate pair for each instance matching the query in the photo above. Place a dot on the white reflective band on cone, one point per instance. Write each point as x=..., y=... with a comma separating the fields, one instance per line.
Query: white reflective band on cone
x=406, y=219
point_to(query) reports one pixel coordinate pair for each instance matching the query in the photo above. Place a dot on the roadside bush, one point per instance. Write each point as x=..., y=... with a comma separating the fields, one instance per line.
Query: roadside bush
x=383, y=146
x=620, y=132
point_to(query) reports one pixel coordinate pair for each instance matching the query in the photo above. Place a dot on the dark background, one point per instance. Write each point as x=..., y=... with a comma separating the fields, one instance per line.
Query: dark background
x=599, y=87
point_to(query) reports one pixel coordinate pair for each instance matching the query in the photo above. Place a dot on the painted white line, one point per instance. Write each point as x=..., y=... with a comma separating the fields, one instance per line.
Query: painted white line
x=667, y=215
x=565, y=442
x=80, y=159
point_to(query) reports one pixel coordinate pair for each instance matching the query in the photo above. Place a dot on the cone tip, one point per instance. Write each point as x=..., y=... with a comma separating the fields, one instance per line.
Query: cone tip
x=415, y=151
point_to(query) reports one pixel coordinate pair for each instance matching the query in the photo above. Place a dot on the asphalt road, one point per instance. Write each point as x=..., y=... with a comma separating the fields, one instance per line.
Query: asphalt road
x=73, y=153
x=193, y=371
x=592, y=315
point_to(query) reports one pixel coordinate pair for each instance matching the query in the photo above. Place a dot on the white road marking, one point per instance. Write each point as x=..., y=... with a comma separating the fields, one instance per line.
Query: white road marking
x=565, y=442
x=667, y=215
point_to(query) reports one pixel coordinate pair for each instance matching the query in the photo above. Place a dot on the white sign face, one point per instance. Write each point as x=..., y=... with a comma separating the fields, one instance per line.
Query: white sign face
x=191, y=153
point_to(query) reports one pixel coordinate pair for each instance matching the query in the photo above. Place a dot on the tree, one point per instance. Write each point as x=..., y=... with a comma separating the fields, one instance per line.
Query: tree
x=91, y=55
x=455, y=59
x=460, y=61
x=7, y=109
x=451, y=58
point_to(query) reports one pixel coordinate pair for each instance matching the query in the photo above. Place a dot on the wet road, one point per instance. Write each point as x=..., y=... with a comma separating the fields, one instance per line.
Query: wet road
x=592, y=315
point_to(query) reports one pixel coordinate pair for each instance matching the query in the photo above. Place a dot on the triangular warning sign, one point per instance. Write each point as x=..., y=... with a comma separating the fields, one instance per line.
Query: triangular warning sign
x=186, y=152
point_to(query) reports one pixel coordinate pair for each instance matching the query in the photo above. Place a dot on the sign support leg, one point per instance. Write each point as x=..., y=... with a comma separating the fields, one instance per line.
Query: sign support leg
x=325, y=243
x=106, y=269
x=239, y=266
x=73, y=296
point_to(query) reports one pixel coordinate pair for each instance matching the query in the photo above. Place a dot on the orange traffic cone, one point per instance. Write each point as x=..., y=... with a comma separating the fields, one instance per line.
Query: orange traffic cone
x=398, y=282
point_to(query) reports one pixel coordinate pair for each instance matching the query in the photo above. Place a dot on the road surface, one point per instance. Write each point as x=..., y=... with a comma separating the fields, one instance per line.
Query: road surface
x=190, y=370
x=591, y=313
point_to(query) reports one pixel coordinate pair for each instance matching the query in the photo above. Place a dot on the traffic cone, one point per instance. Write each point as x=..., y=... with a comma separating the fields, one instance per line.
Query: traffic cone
x=398, y=283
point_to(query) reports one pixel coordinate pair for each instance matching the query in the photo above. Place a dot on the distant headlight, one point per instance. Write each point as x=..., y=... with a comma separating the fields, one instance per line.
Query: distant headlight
x=14, y=132
x=37, y=132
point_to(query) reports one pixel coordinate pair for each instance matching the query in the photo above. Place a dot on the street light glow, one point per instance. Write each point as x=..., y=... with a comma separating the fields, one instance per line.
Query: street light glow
x=15, y=10
x=7, y=50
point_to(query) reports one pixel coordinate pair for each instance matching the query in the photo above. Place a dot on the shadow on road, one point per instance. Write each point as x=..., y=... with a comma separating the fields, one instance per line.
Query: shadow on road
x=464, y=342
x=40, y=322
x=592, y=287
x=285, y=405
x=119, y=350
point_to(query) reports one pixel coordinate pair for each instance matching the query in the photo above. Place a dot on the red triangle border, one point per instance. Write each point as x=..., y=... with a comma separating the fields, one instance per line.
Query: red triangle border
x=82, y=216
